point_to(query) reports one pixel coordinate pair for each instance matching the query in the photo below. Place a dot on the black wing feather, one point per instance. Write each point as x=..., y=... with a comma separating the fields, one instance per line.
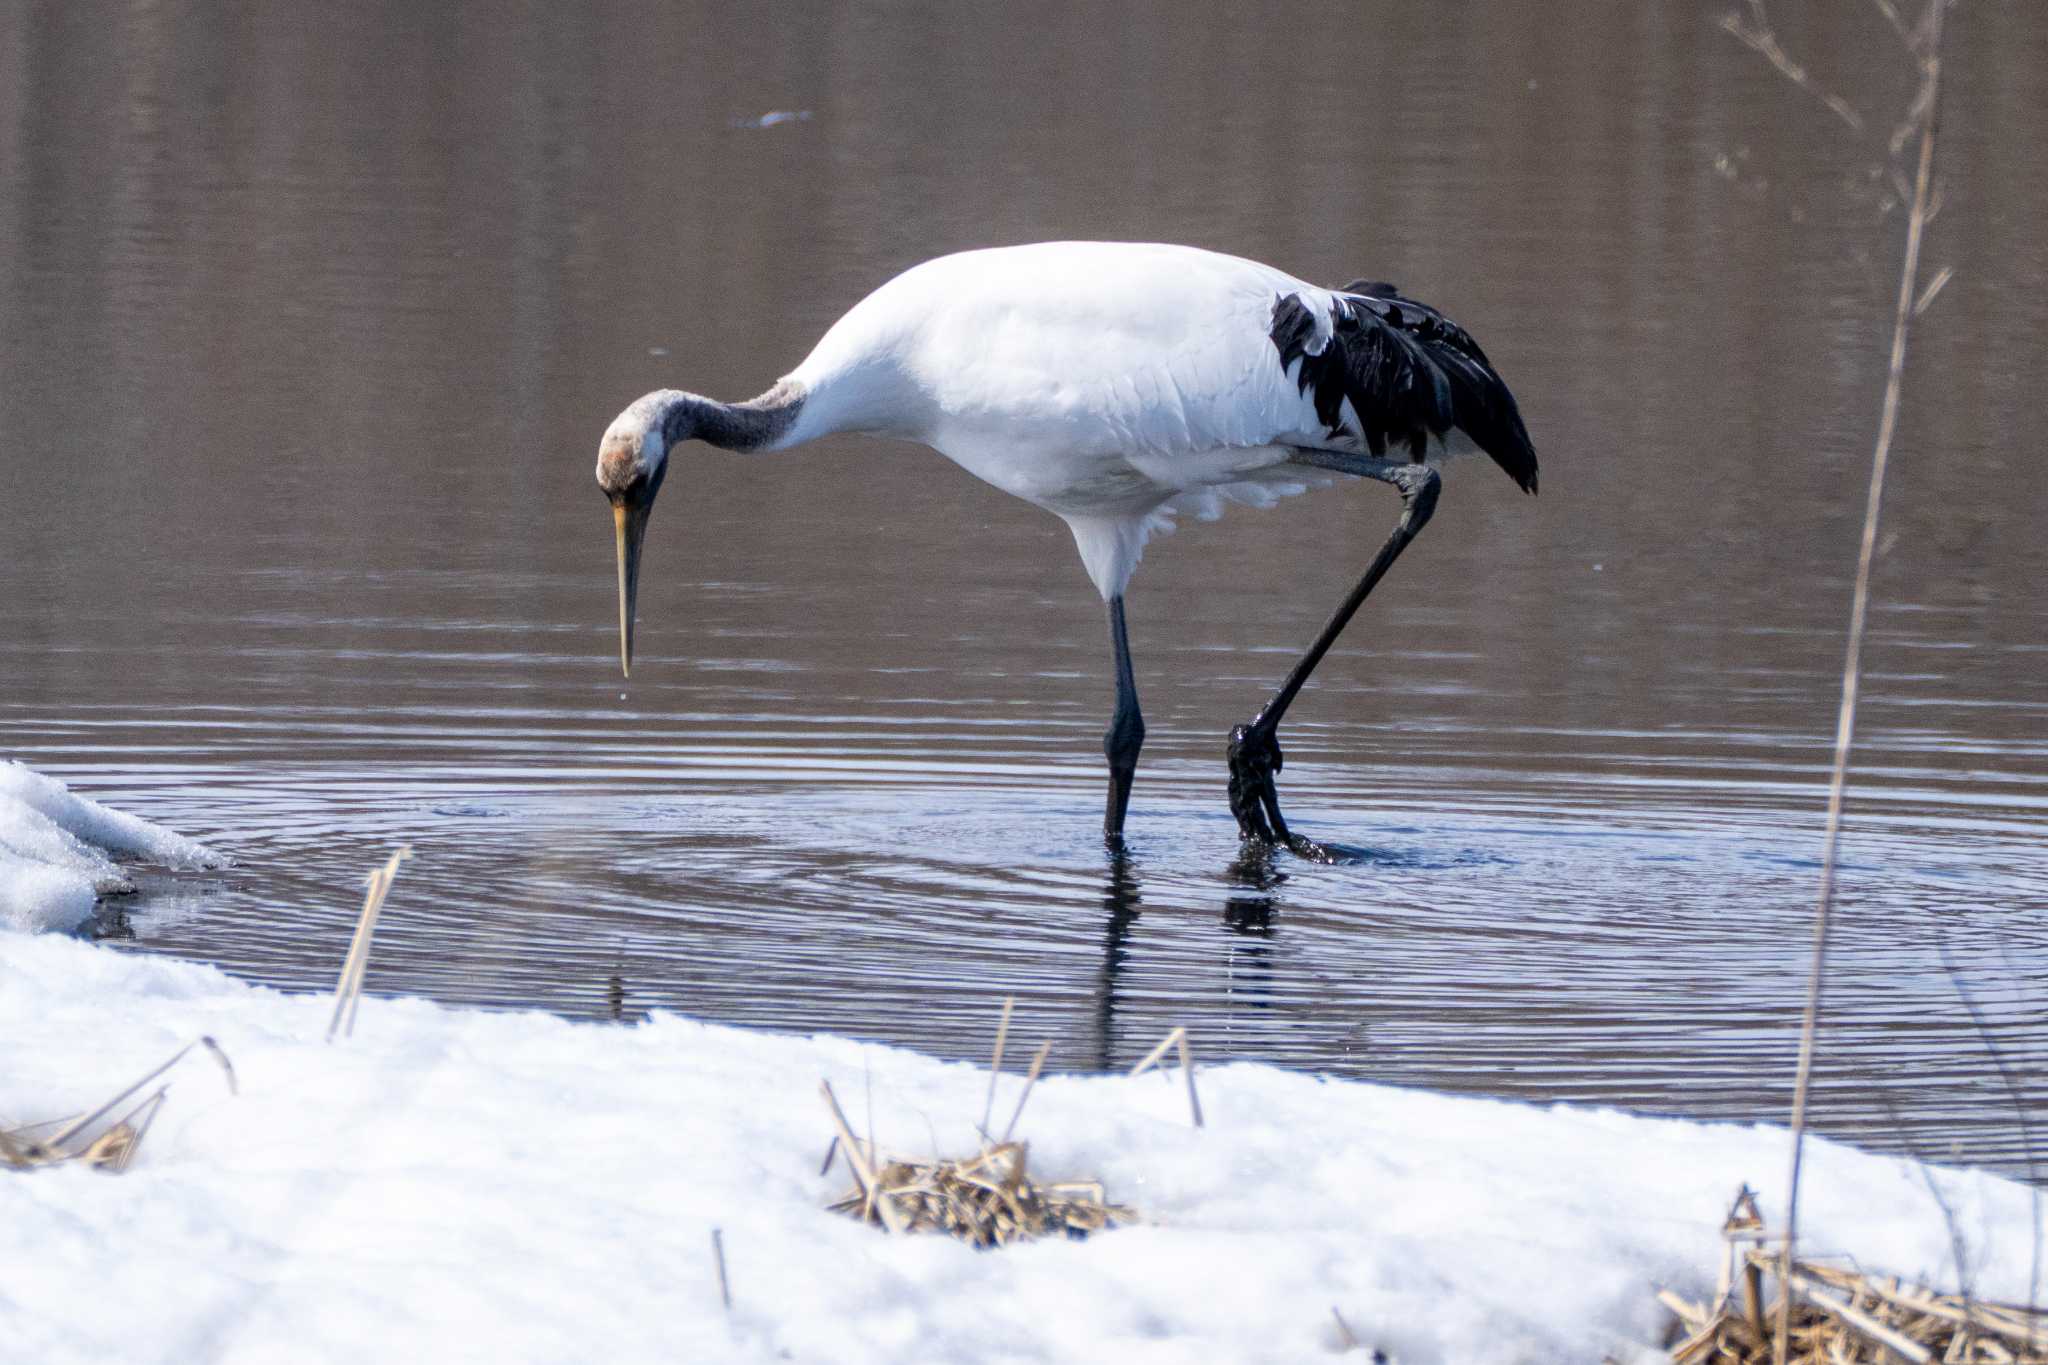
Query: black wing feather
x=1410, y=373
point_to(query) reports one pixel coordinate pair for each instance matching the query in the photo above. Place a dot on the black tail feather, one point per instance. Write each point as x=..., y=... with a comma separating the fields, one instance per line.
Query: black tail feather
x=1409, y=372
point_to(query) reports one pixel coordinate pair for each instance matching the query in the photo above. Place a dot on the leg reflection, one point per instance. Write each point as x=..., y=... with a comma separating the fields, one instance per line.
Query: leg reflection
x=1248, y=914
x=1254, y=871
x=1120, y=898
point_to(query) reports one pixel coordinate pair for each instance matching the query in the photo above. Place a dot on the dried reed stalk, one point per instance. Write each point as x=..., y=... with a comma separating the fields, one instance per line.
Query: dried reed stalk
x=113, y=1147
x=995, y=1066
x=1179, y=1037
x=348, y=990
x=1030, y=1079
x=1926, y=106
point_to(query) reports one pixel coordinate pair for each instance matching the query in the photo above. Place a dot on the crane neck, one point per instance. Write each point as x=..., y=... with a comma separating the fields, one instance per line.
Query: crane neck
x=757, y=424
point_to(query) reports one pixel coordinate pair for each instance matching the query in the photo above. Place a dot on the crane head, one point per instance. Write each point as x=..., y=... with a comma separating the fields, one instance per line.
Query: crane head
x=632, y=460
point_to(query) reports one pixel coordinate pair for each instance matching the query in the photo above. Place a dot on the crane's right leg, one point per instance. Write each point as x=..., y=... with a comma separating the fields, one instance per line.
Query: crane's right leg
x=1254, y=752
x=1126, y=733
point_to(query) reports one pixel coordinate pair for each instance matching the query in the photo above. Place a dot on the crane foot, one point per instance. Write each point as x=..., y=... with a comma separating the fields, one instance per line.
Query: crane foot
x=1255, y=759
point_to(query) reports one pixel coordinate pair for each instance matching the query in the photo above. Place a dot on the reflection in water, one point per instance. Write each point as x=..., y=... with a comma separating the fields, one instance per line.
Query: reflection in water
x=1248, y=917
x=307, y=276
x=1256, y=869
x=109, y=923
x=1120, y=902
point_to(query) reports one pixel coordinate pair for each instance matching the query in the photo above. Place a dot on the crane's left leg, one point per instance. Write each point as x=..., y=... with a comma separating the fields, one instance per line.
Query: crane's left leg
x=1126, y=733
x=1255, y=746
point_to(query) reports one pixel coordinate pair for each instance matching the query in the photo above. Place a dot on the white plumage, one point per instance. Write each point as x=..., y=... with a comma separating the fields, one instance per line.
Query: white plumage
x=1113, y=384
x=1105, y=382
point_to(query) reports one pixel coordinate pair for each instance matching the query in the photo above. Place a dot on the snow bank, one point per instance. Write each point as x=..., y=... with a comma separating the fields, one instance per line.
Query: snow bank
x=460, y=1185
x=54, y=847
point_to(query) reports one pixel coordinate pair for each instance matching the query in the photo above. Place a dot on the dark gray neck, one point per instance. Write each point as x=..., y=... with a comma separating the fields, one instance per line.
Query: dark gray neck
x=751, y=425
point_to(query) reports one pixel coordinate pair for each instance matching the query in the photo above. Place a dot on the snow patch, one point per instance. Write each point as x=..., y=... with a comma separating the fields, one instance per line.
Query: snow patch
x=54, y=849
x=36, y=895
x=470, y=1185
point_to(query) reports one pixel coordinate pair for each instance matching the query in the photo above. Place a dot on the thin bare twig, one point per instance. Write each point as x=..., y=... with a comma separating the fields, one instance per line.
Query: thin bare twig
x=1924, y=1163
x=1892, y=16
x=1156, y=1057
x=892, y=1219
x=1030, y=1079
x=79, y=1125
x=718, y=1255
x=995, y=1066
x=1845, y=721
x=1756, y=33
x=2012, y=973
x=2012, y=1093
x=1934, y=286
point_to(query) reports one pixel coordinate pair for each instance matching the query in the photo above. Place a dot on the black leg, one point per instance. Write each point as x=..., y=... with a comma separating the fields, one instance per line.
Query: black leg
x=1255, y=756
x=1126, y=733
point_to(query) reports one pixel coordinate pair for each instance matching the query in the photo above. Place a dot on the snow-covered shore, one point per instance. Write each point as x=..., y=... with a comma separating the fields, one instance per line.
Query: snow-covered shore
x=461, y=1185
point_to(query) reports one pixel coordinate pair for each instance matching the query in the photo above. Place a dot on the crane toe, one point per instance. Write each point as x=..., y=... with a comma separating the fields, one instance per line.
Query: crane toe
x=1255, y=758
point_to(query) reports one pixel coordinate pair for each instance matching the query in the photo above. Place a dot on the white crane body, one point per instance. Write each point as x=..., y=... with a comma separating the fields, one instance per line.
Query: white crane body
x=1113, y=384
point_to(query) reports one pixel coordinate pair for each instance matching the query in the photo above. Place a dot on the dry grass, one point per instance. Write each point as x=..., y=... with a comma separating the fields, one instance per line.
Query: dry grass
x=92, y=1139
x=1839, y=1315
x=987, y=1199
x=348, y=990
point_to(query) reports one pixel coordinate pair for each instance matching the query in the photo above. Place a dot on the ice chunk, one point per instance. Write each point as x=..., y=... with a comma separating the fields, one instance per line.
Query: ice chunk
x=29, y=836
x=111, y=829
x=54, y=849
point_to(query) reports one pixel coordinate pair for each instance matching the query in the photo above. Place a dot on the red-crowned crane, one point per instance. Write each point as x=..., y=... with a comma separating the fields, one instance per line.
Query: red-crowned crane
x=1115, y=384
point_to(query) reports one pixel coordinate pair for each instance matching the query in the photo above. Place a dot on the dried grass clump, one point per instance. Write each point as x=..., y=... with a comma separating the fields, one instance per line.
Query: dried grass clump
x=110, y=1150
x=107, y=1148
x=987, y=1199
x=1842, y=1316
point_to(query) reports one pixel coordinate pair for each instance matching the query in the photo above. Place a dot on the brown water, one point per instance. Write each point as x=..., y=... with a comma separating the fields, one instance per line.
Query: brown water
x=310, y=318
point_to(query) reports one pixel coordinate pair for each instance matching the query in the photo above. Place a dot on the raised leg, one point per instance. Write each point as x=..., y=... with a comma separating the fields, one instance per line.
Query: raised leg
x=1126, y=733
x=1255, y=756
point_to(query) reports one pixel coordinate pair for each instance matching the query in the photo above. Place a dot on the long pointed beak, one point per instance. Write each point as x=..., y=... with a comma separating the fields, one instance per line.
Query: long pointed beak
x=629, y=517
